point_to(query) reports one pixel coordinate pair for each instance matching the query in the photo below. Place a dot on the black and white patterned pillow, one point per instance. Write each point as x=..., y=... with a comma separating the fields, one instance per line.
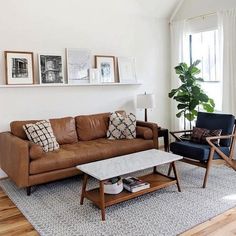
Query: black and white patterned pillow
x=122, y=127
x=41, y=133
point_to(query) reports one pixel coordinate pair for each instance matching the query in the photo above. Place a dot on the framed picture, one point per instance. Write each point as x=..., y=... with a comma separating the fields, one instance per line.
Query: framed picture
x=126, y=70
x=19, y=67
x=78, y=65
x=94, y=76
x=51, y=69
x=106, y=67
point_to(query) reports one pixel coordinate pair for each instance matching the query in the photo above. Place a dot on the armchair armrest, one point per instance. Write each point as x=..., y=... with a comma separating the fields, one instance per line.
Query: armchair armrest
x=153, y=127
x=179, y=132
x=14, y=158
x=228, y=159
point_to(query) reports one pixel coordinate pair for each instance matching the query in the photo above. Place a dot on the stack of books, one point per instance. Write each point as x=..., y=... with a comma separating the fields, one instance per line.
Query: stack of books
x=133, y=184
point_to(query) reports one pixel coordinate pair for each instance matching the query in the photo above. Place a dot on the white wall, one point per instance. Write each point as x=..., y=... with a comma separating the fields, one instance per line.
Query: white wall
x=192, y=8
x=117, y=27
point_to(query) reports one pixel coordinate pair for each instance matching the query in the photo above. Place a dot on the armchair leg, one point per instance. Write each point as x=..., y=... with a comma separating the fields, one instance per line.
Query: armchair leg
x=28, y=190
x=208, y=167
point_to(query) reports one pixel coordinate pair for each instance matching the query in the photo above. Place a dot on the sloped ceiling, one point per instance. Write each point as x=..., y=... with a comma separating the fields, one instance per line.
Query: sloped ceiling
x=159, y=8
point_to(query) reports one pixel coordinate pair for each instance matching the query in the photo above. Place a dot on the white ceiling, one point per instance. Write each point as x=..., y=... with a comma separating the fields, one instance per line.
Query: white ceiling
x=159, y=8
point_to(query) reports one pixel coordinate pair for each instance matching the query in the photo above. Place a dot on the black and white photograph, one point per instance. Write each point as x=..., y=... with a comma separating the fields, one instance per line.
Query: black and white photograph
x=51, y=69
x=19, y=67
x=106, y=67
x=78, y=65
x=126, y=70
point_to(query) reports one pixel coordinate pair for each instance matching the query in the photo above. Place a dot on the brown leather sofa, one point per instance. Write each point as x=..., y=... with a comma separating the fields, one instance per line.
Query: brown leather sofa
x=82, y=139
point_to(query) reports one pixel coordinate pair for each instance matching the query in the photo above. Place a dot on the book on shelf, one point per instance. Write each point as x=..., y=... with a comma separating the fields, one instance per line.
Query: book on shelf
x=133, y=184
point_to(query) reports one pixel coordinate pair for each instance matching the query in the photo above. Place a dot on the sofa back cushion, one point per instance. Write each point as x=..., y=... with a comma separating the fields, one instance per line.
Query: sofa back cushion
x=90, y=127
x=63, y=129
x=17, y=128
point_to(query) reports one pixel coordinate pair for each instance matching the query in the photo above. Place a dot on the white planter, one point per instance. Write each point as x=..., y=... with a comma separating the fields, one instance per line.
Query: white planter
x=115, y=188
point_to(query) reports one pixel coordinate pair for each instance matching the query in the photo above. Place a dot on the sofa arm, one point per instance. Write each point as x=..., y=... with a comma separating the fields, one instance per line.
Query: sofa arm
x=154, y=128
x=14, y=158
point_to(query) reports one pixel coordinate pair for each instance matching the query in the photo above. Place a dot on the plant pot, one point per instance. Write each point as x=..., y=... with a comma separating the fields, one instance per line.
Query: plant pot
x=113, y=188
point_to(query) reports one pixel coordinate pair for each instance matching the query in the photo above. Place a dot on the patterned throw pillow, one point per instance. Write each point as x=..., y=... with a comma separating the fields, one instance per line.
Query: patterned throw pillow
x=122, y=127
x=41, y=133
x=199, y=135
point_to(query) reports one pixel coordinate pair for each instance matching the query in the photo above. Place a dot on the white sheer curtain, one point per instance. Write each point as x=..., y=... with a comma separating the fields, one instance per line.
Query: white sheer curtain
x=227, y=30
x=179, y=53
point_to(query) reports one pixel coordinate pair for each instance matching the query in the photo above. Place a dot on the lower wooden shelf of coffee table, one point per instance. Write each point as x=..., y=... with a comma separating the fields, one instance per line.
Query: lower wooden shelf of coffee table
x=157, y=181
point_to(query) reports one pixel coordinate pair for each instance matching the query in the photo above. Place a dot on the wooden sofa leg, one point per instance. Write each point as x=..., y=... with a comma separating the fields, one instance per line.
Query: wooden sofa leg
x=28, y=190
x=208, y=167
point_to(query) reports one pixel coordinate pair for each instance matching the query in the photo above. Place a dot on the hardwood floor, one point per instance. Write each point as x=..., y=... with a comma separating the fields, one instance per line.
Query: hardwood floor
x=12, y=222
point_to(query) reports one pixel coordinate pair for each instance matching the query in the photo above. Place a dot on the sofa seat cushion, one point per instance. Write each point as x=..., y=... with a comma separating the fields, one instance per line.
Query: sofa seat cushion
x=195, y=151
x=70, y=155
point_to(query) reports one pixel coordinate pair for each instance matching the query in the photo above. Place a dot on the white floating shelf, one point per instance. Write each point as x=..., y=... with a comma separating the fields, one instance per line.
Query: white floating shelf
x=65, y=85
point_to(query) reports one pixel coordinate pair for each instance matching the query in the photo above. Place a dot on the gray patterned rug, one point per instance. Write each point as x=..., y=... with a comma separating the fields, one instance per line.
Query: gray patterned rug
x=54, y=209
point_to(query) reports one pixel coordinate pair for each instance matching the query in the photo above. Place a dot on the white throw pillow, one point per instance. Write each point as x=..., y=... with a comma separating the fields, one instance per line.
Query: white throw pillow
x=122, y=127
x=41, y=133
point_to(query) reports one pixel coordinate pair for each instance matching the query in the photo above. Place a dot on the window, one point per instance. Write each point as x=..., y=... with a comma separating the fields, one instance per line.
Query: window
x=204, y=46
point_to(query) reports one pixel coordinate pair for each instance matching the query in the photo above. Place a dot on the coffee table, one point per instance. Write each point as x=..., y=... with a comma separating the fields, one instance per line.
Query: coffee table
x=122, y=165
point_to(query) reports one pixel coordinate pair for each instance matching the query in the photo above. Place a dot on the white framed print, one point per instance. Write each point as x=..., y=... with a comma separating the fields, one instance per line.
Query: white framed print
x=106, y=67
x=51, y=69
x=126, y=70
x=94, y=76
x=78, y=65
x=19, y=67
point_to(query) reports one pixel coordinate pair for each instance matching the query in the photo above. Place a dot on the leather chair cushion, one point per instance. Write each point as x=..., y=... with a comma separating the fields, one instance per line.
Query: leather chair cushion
x=64, y=130
x=194, y=150
x=144, y=132
x=90, y=127
x=71, y=155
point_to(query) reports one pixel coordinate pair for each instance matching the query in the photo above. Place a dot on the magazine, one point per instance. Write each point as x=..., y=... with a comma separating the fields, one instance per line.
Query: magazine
x=133, y=184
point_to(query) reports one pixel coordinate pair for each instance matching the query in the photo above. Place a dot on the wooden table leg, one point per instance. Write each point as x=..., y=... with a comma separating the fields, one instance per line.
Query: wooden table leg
x=102, y=199
x=170, y=169
x=176, y=176
x=83, y=189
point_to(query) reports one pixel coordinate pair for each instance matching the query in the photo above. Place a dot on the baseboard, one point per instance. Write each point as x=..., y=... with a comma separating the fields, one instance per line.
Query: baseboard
x=3, y=175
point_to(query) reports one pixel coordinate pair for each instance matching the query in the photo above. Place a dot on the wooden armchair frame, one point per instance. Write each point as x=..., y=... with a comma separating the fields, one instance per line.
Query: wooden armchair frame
x=213, y=148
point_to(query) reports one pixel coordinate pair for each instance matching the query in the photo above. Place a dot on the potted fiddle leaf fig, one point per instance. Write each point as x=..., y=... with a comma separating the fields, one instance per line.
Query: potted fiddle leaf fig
x=189, y=95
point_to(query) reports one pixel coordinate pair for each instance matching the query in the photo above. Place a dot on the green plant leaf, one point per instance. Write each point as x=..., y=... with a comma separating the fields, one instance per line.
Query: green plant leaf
x=196, y=90
x=207, y=107
x=181, y=77
x=194, y=71
x=179, y=70
x=172, y=93
x=182, y=106
x=190, y=116
x=183, y=98
x=211, y=101
x=195, y=112
x=203, y=97
x=179, y=114
x=200, y=79
x=196, y=62
x=190, y=82
x=193, y=103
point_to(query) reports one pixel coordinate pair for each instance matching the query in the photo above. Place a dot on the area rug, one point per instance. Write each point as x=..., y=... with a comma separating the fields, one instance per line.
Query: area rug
x=54, y=209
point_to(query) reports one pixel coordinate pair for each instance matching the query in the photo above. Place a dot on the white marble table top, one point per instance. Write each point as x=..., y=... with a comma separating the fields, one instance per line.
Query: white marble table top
x=117, y=166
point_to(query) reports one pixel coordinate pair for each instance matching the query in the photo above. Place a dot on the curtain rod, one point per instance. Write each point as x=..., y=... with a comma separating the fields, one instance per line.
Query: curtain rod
x=202, y=16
